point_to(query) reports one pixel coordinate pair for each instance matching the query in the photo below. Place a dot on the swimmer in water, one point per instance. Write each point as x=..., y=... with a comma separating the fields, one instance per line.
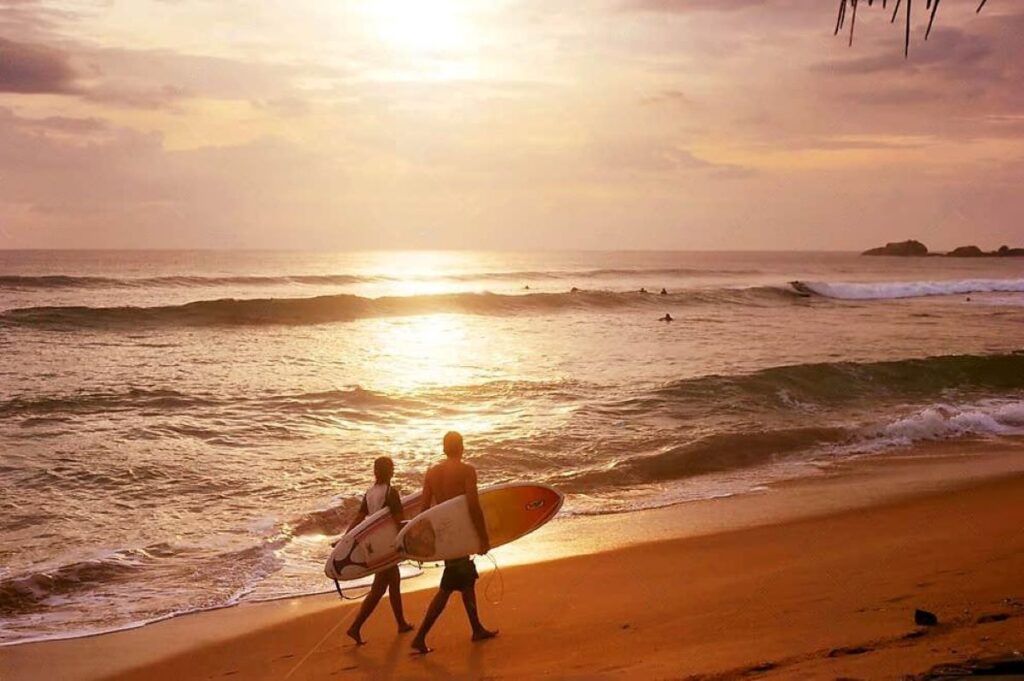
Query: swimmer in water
x=664, y=292
x=666, y=318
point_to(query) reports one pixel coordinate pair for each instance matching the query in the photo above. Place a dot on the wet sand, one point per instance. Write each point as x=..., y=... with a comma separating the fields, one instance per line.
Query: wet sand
x=814, y=594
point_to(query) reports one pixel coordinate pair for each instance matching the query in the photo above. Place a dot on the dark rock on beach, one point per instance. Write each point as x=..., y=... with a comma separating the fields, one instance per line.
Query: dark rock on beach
x=852, y=650
x=994, y=617
x=966, y=252
x=1011, y=666
x=911, y=247
x=924, y=618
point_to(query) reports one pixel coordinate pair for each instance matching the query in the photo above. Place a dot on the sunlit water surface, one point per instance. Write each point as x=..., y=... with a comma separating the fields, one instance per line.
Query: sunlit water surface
x=183, y=430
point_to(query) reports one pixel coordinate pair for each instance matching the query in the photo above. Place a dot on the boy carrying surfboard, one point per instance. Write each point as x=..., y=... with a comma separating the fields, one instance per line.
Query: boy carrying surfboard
x=447, y=480
x=381, y=495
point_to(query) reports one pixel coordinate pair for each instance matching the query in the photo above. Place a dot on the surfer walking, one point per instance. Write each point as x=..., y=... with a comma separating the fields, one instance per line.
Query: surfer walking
x=447, y=480
x=381, y=494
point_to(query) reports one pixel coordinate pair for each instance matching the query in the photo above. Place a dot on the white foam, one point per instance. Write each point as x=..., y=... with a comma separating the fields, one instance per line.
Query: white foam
x=944, y=421
x=912, y=289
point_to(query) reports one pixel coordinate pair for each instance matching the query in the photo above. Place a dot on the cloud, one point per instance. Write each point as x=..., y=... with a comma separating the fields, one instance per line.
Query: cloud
x=302, y=129
x=83, y=182
x=136, y=95
x=64, y=125
x=32, y=69
x=957, y=53
x=286, y=107
x=31, y=20
x=680, y=6
x=669, y=97
x=656, y=157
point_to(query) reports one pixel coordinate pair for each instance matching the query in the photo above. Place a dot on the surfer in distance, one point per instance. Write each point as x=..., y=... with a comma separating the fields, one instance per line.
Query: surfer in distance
x=443, y=481
x=666, y=318
x=664, y=292
x=381, y=494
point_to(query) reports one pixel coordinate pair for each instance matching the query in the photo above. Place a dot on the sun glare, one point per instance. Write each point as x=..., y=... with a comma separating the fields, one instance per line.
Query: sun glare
x=425, y=351
x=420, y=26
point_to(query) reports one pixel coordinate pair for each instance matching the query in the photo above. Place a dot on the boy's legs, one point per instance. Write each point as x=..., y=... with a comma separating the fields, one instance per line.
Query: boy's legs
x=380, y=585
x=394, y=581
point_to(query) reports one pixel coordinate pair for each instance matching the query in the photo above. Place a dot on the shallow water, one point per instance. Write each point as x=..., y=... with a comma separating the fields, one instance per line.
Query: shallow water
x=184, y=430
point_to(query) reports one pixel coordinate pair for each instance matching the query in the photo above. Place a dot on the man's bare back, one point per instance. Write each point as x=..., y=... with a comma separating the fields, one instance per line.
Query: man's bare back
x=447, y=480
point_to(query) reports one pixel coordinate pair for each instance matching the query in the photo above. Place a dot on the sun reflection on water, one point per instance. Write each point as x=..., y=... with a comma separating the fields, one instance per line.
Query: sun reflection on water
x=425, y=351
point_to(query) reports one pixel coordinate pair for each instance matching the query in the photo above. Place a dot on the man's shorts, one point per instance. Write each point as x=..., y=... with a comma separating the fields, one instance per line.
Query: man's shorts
x=458, y=574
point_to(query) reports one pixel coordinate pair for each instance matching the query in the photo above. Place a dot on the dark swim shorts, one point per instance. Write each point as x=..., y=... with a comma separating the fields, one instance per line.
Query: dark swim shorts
x=458, y=574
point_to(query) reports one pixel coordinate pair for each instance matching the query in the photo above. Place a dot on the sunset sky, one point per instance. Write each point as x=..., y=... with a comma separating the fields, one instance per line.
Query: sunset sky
x=682, y=124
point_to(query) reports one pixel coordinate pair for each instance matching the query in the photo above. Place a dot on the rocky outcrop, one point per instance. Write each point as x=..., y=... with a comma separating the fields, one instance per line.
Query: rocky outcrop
x=975, y=252
x=901, y=248
x=966, y=252
x=912, y=247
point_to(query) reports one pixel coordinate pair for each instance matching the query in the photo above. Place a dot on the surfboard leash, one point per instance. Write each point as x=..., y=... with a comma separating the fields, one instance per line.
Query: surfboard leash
x=496, y=574
x=341, y=592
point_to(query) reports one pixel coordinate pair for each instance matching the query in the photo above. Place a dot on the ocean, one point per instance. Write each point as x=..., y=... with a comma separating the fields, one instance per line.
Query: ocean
x=187, y=430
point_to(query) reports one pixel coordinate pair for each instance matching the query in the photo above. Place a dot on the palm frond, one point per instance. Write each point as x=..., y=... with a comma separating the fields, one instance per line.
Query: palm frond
x=931, y=6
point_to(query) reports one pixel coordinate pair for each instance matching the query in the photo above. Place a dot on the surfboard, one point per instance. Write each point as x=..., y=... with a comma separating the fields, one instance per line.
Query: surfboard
x=510, y=510
x=370, y=547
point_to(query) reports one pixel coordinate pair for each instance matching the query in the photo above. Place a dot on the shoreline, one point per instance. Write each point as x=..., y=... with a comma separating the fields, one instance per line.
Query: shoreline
x=868, y=486
x=893, y=474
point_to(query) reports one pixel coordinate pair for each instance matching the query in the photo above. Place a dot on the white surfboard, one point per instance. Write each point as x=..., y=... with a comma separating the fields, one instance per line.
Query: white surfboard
x=510, y=511
x=369, y=547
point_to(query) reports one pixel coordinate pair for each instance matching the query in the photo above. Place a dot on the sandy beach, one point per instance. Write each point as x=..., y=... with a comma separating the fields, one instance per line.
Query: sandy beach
x=811, y=595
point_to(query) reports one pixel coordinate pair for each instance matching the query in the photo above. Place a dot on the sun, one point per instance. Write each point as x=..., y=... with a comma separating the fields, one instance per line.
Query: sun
x=420, y=26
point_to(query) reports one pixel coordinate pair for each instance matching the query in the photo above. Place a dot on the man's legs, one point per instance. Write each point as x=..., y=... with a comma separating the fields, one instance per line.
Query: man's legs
x=433, y=612
x=469, y=601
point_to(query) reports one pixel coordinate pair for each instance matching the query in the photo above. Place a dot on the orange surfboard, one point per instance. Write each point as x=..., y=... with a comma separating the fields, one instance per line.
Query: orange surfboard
x=446, y=531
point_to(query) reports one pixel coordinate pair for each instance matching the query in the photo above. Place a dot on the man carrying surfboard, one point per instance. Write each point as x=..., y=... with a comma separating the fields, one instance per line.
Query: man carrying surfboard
x=447, y=480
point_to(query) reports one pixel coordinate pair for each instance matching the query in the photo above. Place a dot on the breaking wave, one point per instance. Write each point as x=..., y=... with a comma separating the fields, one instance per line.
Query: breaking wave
x=340, y=308
x=945, y=421
x=909, y=289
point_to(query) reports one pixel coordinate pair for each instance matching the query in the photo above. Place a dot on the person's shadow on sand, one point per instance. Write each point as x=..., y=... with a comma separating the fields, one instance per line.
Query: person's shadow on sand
x=396, y=663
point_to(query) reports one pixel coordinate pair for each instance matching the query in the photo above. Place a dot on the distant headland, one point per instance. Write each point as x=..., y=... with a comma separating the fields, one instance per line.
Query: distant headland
x=913, y=248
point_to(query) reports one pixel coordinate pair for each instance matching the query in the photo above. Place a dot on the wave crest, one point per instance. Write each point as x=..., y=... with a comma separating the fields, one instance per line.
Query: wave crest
x=908, y=289
x=345, y=307
x=829, y=383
